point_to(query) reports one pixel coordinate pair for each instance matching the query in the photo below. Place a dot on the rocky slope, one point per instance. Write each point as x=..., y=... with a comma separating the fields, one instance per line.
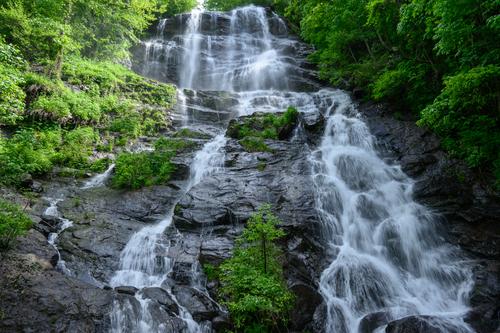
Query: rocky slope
x=209, y=218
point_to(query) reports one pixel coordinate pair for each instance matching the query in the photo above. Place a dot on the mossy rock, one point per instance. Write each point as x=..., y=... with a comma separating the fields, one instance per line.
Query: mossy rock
x=279, y=126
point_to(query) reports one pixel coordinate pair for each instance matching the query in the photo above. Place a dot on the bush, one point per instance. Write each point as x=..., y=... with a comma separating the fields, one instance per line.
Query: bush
x=13, y=223
x=136, y=170
x=77, y=147
x=27, y=152
x=252, y=280
x=11, y=95
x=65, y=105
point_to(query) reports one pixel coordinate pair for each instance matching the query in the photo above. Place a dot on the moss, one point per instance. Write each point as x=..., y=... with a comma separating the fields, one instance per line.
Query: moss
x=254, y=144
x=265, y=126
x=187, y=133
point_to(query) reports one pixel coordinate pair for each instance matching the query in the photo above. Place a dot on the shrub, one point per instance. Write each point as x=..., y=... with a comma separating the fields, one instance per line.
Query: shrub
x=12, y=95
x=136, y=170
x=252, y=279
x=27, y=152
x=13, y=223
x=77, y=147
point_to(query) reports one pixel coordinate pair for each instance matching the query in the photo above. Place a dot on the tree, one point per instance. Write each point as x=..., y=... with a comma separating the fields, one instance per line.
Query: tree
x=252, y=279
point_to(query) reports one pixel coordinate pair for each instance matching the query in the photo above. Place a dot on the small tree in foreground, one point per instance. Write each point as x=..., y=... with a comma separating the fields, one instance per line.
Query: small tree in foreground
x=252, y=280
x=13, y=223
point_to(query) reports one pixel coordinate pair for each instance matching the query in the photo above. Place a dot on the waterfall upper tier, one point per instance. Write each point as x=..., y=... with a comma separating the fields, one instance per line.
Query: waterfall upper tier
x=243, y=50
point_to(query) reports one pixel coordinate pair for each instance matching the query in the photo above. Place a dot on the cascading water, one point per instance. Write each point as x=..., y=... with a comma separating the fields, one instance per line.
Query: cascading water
x=139, y=264
x=387, y=260
x=64, y=224
x=99, y=179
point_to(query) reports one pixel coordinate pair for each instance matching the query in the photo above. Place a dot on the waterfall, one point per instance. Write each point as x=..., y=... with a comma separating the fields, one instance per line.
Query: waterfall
x=64, y=224
x=99, y=179
x=386, y=257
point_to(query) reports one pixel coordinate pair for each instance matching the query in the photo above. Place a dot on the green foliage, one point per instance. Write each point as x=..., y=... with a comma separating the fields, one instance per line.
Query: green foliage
x=34, y=152
x=266, y=126
x=13, y=223
x=254, y=129
x=173, y=7
x=188, y=133
x=11, y=80
x=77, y=147
x=254, y=144
x=136, y=170
x=225, y=5
x=252, y=279
x=465, y=114
x=27, y=152
x=100, y=165
x=57, y=77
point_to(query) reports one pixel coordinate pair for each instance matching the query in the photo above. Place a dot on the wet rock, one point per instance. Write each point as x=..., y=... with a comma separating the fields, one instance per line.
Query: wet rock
x=36, y=187
x=217, y=209
x=128, y=290
x=104, y=219
x=307, y=300
x=372, y=321
x=36, y=298
x=162, y=297
x=420, y=324
x=319, y=318
x=198, y=304
x=221, y=323
x=358, y=93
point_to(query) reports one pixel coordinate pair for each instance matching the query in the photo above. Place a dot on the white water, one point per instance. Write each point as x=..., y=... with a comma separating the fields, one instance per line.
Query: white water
x=100, y=179
x=386, y=255
x=144, y=261
x=52, y=238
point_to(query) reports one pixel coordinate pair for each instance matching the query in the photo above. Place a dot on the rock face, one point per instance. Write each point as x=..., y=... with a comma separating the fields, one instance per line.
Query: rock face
x=469, y=206
x=214, y=212
x=34, y=297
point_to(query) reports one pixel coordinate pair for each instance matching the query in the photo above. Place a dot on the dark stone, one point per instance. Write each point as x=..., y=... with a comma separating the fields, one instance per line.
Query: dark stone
x=36, y=298
x=221, y=323
x=36, y=187
x=162, y=297
x=198, y=304
x=307, y=300
x=126, y=290
x=372, y=321
x=420, y=324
